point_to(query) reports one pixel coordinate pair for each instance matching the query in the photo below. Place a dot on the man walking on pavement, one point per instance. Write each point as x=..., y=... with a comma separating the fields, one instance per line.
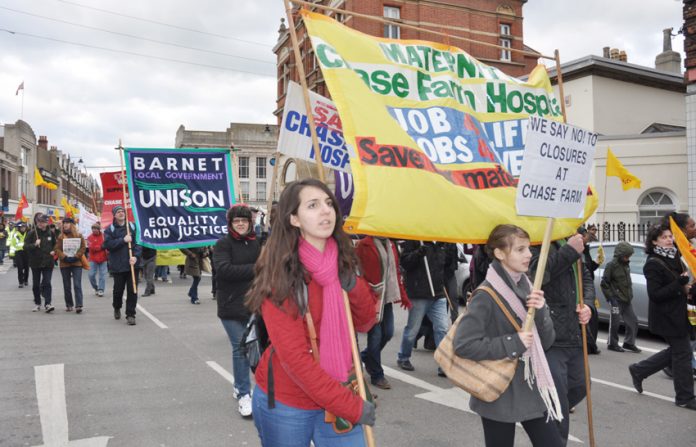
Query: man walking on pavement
x=116, y=240
x=39, y=244
x=97, y=260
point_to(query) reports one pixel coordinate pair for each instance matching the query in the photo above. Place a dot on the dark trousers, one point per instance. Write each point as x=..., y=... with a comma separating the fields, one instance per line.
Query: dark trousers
x=22, y=266
x=123, y=280
x=592, y=329
x=451, y=285
x=568, y=371
x=502, y=434
x=377, y=339
x=622, y=311
x=193, y=291
x=41, y=284
x=678, y=356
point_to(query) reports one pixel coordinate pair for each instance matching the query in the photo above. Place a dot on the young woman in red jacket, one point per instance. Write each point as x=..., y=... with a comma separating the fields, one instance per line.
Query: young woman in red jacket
x=300, y=276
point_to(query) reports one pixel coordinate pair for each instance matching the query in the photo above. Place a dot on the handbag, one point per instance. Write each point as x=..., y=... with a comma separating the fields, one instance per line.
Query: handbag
x=85, y=262
x=484, y=379
x=206, y=266
x=254, y=341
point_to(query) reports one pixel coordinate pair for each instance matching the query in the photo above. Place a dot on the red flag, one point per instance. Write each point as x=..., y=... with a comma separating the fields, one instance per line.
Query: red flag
x=21, y=87
x=20, y=207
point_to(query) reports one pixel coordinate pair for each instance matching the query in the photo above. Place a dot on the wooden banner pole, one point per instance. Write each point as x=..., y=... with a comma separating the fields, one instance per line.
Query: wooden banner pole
x=125, y=210
x=299, y=64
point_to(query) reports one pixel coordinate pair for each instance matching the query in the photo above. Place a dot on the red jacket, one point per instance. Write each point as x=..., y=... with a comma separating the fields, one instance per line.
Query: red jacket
x=299, y=381
x=96, y=252
x=372, y=266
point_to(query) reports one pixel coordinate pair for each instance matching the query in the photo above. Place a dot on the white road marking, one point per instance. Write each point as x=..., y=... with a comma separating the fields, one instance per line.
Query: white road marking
x=220, y=370
x=152, y=317
x=53, y=411
x=453, y=397
x=641, y=347
x=632, y=390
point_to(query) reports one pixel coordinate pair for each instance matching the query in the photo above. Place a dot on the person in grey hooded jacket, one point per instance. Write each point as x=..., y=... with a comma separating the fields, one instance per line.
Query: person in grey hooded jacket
x=618, y=290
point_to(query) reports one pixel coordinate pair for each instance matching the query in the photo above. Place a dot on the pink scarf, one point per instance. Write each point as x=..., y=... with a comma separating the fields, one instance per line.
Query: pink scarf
x=334, y=353
x=535, y=364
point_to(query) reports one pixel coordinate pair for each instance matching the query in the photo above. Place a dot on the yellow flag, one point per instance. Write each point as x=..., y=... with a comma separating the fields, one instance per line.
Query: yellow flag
x=426, y=122
x=616, y=169
x=39, y=180
x=687, y=251
x=56, y=214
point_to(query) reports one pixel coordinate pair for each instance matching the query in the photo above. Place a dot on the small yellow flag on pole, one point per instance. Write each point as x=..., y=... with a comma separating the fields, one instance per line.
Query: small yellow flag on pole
x=687, y=251
x=616, y=169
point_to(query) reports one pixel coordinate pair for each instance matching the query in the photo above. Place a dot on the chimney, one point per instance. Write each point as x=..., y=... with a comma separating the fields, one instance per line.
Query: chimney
x=623, y=57
x=668, y=60
x=43, y=142
x=605, y=52
x=614, y=53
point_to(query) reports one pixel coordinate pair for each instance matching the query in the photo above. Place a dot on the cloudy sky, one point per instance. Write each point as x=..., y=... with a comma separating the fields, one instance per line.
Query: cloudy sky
x=98, y=70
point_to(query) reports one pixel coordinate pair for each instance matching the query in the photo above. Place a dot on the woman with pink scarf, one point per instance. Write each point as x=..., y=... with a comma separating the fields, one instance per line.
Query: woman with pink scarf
x=300, y=277
x=485, y=333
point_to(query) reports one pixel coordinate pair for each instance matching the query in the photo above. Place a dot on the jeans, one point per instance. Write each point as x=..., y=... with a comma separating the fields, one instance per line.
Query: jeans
x=377, y=339
x=124, y=280
x=2, y=255
x=568, y=372
x=436, y=310
x=74, y=273
x=502, y=434
x=240, y=364
x=149, y=273
x=162, y=271
x=22, y=262
x=679, y=356
x=285, y=426
x=97, y=275
x=621, y=310
x=193, y=291
x=41, y=284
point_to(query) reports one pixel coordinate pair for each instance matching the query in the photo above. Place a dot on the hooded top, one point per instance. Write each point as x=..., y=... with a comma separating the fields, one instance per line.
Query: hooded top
x=616, y=280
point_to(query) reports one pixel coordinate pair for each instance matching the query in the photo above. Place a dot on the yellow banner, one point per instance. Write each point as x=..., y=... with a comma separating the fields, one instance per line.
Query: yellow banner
x=170, y=257
x=687, y=251
x=435, y=136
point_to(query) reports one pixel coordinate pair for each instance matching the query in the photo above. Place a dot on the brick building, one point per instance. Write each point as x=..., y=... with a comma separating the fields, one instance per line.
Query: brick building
x=492, y=21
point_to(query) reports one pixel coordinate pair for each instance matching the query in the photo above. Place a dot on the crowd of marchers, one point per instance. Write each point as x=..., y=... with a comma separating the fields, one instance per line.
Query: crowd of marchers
x=294, y=279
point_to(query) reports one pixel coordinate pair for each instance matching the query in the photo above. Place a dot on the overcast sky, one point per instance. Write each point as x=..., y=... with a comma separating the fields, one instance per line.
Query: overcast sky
x=85, y=98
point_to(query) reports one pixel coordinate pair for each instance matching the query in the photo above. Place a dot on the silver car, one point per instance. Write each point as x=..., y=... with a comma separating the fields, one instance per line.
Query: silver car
x=640, y=291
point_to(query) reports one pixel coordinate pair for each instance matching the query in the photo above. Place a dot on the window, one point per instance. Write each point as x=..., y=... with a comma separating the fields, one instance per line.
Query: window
x=505, y=29
x=653, y=206
x=245, y=191
x=261, y=191
x=244, y=168
x=392, y=31
x=505, y=54
x=260, y=167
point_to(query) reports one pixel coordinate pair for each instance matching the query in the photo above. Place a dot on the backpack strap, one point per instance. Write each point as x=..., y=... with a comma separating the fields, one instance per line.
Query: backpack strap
x=502, y=306
x=271, y=382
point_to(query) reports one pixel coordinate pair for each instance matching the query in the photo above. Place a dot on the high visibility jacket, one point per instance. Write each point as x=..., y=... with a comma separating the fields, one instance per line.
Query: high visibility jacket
x=17, y=242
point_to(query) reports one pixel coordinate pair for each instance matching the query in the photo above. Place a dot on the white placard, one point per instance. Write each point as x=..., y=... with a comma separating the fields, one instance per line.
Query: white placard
x=70, y=246
x=295, y=139
x=555, y=169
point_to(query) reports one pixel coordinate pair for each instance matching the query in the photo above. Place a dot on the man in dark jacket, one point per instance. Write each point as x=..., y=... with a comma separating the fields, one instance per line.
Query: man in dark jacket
x=235, y=256
x=425, y=300
x=117, y=242
x=565, y=356
x=618, y=290
x=39, y=245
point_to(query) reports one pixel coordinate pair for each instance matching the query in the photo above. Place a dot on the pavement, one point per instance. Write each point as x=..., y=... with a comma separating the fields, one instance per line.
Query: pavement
x=88, y=380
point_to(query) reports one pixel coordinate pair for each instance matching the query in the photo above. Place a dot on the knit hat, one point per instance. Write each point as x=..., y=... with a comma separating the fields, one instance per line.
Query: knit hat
x=116, y=209
x=238, y=211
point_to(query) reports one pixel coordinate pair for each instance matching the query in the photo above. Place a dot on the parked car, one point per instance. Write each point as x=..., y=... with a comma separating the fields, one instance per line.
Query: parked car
x=640, y=290
x=462, y=274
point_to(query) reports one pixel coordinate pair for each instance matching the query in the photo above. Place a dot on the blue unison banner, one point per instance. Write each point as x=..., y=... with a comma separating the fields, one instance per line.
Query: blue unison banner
x=180, y=197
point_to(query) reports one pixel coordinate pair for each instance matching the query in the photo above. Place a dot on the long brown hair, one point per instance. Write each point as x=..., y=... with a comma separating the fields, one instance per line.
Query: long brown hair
x=278, y=271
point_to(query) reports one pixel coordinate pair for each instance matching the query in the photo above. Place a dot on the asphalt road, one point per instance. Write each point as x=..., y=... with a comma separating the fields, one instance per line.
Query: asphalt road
x=88, y=380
